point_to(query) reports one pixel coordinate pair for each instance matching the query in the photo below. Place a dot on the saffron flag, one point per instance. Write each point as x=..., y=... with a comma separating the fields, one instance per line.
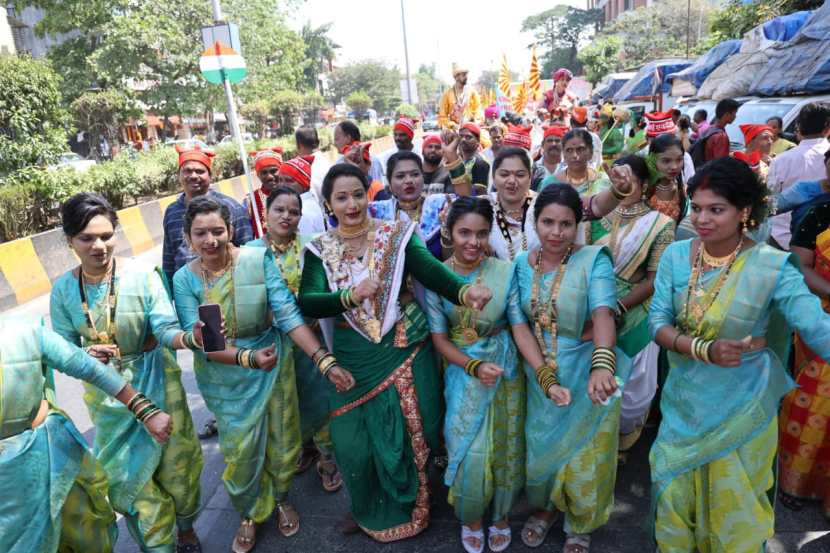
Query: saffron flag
x=533, y=78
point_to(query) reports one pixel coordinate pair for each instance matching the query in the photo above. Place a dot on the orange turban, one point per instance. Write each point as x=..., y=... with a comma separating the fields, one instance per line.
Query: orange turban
x=555, y=130
x=299, y=169
x=752, y=131
x=406, y=126
x=269, y=157
x=517, y=136
x=473, y=128
x=580, y=114
x=194, y=154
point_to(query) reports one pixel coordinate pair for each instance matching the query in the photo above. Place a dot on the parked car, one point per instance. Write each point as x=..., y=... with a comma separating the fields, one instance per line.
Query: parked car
x=187, y=143
x=73, y=160
x=246, y=137
x=759, y=110
x=430, y=124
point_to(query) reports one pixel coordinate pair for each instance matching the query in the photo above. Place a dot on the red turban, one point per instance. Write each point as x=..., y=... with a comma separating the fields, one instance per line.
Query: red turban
x=269, y=157
x=194, y=154
x=367, y=156
x=752, y=131
x=659, y=123
x=753, y=159
x=562, y=73
x=473, y=128
x=299, y=169
x=555, y=130
x=431, y=139
x=406, y=126
x=517, y=136
x=580, y=114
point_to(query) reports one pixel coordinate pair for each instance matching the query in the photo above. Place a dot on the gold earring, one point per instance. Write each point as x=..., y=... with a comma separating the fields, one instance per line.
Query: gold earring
x=744, y=221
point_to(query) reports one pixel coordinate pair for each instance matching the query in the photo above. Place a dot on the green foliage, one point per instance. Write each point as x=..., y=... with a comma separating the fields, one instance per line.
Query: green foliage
x=359, y=102
x=102, y=113
x=559, y=32
x=258, y=113
x=407, y=110
x=736, y=18
x=429, y=85
x=286, y=106
x=601, y=57
x=379, y=81
x=319, y=52
x=31, y=118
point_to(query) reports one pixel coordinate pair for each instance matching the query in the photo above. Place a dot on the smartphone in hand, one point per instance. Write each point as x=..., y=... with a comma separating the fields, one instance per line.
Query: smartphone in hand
x=212, y=338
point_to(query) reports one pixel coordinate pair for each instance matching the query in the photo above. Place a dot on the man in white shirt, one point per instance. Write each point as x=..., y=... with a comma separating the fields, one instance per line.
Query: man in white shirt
x=308, y=144
x=804, y=162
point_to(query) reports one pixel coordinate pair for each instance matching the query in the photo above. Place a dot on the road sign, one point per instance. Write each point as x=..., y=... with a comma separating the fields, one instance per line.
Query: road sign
x=221, y=62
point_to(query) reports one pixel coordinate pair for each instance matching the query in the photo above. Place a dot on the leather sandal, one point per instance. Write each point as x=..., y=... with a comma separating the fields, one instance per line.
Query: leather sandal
x=245, y=538
x=536, y=530
x=308, y=454
x=577, y=543
x=330, y=476
x=288, y=520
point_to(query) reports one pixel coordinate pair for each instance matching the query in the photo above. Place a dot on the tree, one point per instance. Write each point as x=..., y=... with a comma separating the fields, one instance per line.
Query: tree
x=258, y=113
x=379, y=81
x=31, y=118
x=101, y=114
x=359, y=102
x=559, y=32
x=429, y=85
x=286, y=105
x=319, y=52
x=407, y=110
x=736, y=18
x=601, y=57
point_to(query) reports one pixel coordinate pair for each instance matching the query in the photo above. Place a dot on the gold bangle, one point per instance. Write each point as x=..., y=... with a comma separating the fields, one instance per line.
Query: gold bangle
x=619, y=195
x=471, y=366
x=462, y=294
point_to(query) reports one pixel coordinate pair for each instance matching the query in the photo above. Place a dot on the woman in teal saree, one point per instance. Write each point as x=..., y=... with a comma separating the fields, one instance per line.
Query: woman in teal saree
x=53, y=490
x=254, y=402
x=384, y=428
x=723, y=306
x=126, y=317
x=483, y=391
x=284, y=208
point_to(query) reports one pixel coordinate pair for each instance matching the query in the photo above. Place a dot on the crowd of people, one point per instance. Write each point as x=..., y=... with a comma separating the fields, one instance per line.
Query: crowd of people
x=503, y=299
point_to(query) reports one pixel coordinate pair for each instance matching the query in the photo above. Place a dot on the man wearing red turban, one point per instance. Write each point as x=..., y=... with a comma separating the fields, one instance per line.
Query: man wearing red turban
x=266, y=165
x=758, y=139
x=436, y=177
x=296, y=173
x=474, y=164
x=551, y=158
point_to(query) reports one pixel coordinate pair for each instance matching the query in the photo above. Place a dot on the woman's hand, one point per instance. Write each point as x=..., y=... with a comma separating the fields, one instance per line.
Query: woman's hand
x=266, y=358
x=489, y=373
x=198, y=336
x=621, y=177
x=601, y=386
x=159, y=426
x=103, y=352
x=560, y=395
x=727, y=353
x=366, y=289
x=450, y=140
x=477, y=297
x=341, y=378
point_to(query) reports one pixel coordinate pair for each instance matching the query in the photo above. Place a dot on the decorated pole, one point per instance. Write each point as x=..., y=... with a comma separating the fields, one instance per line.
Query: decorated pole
x=221, y=64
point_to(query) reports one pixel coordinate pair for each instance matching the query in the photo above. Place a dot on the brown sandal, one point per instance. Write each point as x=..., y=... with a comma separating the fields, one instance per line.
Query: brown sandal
x=245, y=537
x=288, y=520
x=330, y=475
x=577, y=543
x=308, y=454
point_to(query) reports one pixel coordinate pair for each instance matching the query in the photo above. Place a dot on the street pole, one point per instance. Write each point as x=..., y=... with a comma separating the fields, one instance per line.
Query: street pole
x=237, y=134
x=406, y=57
x=688, y=25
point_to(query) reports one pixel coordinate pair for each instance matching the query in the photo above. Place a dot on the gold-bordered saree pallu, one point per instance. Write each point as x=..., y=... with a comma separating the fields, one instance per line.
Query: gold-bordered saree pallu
x=384, y=427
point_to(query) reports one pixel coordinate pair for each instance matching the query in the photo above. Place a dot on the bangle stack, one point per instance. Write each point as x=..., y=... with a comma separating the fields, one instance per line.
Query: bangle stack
x=604, y=358
x=325, y=363
x=621, y=308
x=347, y=299
x=142, y=408
x=462, y=294
x=471, y=366
x=546, y=377
x=700, y=350
x=189, y=341
x=246, y=358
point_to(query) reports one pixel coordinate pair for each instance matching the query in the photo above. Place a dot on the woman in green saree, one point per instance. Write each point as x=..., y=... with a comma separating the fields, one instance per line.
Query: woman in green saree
x=636, y=235
x=722, y=305
x=483, y=390
x=384, y=428
x=284, y=209
x=53, y=490
x=126, y=317
x=254, y=403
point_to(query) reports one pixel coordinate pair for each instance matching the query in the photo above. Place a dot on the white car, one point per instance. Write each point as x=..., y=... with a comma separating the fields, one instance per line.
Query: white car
x=73, y=160
x=246, y=137
x=188, y=143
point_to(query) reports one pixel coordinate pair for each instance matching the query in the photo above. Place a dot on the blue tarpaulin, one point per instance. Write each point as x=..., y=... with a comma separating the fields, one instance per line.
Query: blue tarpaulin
x=708, y=62
x=785, y=27
x=642, y=85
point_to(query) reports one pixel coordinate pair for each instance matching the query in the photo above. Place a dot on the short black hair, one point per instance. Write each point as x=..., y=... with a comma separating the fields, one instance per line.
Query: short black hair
x=512, y=151
x=734, y=181
x=80, y=209
x=663, y=142
x=307, y=136
x=814, y=118
x=637, y=164
x=560, y=194
x=463, y=205
x=778, y=121
x=727, y=105
x=342, y=170
x=204, y=205
x=282, y=191
x=701, y=113
x=582, y=134
x=350, y=128
x=399, y=156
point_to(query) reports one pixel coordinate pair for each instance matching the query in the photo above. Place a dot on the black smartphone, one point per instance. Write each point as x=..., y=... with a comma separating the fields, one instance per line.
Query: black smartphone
x=212, y=338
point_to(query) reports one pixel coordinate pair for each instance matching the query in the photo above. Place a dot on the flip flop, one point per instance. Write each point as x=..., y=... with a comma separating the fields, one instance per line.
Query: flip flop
x=467, y=533
x=330, y=476
x=287, y=527
x=495, y=531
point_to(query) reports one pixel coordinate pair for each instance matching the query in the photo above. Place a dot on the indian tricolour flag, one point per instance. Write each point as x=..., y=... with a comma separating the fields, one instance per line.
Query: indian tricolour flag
x=220, y=62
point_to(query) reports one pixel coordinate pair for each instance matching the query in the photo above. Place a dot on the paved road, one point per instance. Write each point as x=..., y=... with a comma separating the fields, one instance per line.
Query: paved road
x=805, y=531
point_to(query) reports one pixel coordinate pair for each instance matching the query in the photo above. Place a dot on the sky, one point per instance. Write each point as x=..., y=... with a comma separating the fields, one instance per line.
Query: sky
x=474, y=33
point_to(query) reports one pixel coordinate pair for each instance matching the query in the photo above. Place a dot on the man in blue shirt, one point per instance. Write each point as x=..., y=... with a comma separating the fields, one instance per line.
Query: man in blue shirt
x=194, y=177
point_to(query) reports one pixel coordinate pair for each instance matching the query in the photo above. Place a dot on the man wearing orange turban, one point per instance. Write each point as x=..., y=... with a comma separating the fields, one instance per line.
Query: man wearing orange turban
x=475, y=166
x=758, y=140
x=551, y=158
x=266, y=165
